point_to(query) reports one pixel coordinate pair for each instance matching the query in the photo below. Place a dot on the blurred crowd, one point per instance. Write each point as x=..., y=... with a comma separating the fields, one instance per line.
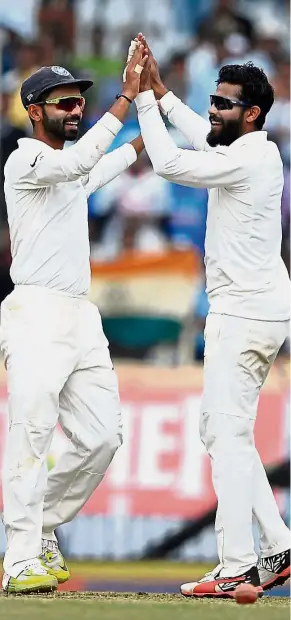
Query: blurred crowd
x=191, y=40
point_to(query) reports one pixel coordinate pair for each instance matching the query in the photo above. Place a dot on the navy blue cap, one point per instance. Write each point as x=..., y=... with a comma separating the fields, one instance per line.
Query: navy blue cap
x=46, y=79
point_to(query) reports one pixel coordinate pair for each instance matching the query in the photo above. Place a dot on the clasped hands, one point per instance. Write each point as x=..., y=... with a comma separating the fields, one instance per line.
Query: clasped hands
x=142, y=72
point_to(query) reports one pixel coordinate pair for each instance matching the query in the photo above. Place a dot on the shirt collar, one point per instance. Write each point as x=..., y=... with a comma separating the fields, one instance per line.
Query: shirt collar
x=251, y=138
x=29, y=142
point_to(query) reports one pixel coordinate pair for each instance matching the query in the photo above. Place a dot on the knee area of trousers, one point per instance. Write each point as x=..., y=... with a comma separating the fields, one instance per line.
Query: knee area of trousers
x=113, y=440
x=227, y=430
x=108, y=442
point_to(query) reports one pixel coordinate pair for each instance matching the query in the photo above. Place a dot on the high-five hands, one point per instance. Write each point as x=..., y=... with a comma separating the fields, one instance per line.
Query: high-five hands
x=150, y=78
x=134, y=71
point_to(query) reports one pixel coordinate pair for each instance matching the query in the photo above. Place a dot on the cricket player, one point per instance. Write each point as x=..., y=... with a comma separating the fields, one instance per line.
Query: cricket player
x=56, y=354
x=249, y=294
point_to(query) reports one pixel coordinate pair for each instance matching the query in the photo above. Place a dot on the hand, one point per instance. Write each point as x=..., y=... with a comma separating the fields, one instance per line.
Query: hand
x=133, y=77
x=156, y=83
x=145, y=78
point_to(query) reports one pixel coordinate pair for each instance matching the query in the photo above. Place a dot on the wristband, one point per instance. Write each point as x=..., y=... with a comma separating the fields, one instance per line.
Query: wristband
x=124, y=97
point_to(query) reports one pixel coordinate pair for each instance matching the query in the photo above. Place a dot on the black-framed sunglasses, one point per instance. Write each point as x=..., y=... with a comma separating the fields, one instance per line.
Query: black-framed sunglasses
x=66, y=103
x=223, y=103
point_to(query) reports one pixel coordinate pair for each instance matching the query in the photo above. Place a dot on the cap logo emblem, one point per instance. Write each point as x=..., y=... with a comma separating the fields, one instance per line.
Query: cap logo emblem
x=29, y=97
x=60, y=70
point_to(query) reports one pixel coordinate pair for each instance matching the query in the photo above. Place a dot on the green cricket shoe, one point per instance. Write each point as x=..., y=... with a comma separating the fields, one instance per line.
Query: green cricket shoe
x=53, y=561
x=33, y=578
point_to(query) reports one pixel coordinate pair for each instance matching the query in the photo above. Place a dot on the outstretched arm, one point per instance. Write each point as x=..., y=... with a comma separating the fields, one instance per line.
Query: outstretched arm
x=44, y=166
x=112, y=164
x=191, y=125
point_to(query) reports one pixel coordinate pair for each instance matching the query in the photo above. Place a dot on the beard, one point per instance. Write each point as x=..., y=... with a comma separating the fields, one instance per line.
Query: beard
x=57, y=128
x=226, y=133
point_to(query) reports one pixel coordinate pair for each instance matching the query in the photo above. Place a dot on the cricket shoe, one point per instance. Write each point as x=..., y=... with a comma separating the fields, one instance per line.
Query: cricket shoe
x=32, y=578
x=274, y=570
x=214, y=586
x=53, y=561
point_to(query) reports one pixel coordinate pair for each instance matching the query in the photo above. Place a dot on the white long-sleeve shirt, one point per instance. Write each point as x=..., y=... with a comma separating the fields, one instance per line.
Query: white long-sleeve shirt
x=245, y=274
x=46, y=194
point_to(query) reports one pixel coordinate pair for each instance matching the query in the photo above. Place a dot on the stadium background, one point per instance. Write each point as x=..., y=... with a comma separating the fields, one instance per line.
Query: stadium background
x=147, y=239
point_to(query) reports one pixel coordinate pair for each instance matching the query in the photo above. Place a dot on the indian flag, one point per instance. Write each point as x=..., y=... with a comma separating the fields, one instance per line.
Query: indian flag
x=144, y=299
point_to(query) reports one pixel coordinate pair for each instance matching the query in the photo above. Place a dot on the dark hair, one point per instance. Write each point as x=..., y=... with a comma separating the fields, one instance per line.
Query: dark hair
x=45, y=93
x=255, y=87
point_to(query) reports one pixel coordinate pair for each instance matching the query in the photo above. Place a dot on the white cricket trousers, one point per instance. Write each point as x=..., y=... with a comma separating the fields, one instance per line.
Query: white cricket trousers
x=58, y=369
x=238, y=355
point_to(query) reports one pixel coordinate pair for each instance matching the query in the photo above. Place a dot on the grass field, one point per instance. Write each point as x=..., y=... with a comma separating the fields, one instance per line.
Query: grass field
x=143, y=570
x=110, y=606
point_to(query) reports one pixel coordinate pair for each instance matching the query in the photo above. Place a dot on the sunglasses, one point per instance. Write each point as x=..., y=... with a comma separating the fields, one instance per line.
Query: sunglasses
x=67, y=104
x=223, y=103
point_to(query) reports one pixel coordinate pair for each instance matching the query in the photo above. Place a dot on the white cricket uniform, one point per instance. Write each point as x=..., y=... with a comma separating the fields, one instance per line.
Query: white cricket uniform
x=56, y=354
x=249, y=293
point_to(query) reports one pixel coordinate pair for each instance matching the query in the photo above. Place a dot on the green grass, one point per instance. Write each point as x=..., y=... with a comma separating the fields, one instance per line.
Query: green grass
x=151, y=570
x=109, y=606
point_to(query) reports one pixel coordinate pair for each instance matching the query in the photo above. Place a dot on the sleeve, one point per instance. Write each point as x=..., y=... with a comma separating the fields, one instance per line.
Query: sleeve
x=42, y=167
x=109, y=167
x=218, y=168
x=191, y=125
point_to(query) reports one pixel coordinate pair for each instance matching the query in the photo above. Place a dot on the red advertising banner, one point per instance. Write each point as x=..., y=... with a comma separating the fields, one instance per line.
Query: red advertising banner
x=162, y=467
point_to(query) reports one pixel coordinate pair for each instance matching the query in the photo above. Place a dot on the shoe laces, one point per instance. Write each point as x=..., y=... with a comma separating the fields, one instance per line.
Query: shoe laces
x=50, y=545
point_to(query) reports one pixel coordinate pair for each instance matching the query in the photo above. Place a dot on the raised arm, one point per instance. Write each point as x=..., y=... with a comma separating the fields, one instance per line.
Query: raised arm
x=112, y=164
x=219, y=168
x=45, y=166
x=191, y=125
